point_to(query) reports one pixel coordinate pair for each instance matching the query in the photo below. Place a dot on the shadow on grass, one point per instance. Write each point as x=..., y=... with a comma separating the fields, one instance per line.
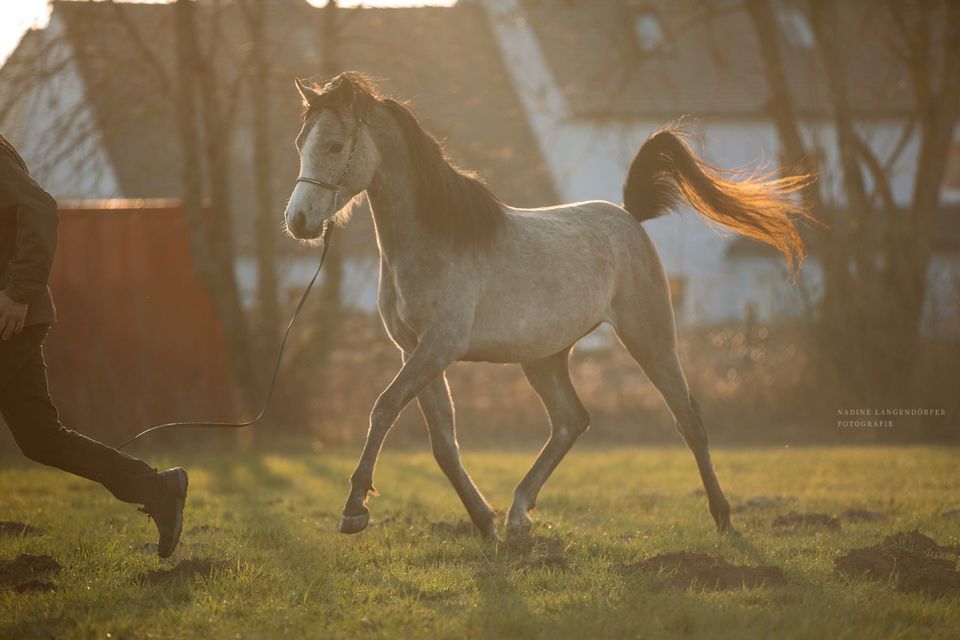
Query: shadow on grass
x=503, y=610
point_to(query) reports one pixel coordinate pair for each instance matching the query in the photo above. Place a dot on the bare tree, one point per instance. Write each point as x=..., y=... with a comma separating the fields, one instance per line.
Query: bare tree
x=874, y=253
x=211, y=227
x=331, y=292
x=266, y=217
x=199, y=89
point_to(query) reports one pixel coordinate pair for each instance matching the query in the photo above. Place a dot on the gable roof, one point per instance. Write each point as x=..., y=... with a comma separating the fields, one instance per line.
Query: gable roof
x=709, y=63
x=443, y=59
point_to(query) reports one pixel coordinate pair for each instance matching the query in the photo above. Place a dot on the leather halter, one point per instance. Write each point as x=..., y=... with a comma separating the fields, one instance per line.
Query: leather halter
x=335, y=186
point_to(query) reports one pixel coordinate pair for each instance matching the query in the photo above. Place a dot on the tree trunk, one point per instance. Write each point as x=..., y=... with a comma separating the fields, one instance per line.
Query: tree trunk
x=267, y=220
x=833, y=261
x=874, y=266
x=331, y=291
x=189, y=134
x=211, y=230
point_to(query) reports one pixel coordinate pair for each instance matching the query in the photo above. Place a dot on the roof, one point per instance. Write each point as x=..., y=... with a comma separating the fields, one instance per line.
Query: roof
x=709, y=63
x=443, y=59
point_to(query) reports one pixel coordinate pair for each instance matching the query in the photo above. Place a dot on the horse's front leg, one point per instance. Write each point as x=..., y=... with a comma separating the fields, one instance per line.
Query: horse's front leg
x=425, y=364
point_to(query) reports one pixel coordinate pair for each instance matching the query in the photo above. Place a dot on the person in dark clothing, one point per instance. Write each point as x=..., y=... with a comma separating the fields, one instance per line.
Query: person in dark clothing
x=28, y=240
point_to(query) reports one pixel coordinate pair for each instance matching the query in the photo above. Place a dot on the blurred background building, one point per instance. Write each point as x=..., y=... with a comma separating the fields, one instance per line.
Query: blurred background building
x=548, y=100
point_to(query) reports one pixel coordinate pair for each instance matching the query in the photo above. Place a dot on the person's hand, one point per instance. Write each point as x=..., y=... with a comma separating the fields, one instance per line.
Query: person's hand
x=12, y=316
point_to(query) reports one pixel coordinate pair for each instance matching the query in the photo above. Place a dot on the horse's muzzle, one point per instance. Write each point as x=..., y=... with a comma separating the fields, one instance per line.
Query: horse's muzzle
x=300, y=229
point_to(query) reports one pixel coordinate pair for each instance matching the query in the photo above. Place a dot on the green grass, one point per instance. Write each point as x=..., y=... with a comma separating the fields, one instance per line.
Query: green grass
x=286, y=573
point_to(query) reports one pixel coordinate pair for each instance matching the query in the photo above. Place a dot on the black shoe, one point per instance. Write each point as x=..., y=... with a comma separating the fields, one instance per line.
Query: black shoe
x=167, y=511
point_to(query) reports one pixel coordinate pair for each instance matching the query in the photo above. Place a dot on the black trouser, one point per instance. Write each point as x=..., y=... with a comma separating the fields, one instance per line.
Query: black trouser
x=33, y=419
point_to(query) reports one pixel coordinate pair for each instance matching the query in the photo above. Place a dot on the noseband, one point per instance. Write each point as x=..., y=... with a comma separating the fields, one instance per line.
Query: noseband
x=335, y=186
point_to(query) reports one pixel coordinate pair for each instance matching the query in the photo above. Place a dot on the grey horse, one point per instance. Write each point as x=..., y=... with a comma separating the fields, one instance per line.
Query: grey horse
x=465, y=277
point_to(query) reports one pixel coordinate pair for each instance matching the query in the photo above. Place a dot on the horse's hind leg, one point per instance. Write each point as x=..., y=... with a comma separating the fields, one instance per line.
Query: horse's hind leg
x=658, y=357
x=436, y=405
x=550, y=378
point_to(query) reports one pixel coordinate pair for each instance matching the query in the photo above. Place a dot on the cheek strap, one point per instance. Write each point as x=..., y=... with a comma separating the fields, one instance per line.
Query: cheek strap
x=335, y=186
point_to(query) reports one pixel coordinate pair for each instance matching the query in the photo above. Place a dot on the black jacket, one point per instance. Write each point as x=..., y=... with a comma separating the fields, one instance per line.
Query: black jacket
x=28, y=236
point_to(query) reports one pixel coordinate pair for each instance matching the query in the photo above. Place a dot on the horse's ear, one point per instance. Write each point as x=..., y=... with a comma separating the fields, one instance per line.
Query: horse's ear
x=308, y=94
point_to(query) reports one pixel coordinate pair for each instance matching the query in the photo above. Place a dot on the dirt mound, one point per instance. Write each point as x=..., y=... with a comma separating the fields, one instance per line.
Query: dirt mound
x=907, y=557
x=795, y=520
x=184, y=570
x=685, y=570
x=863, y=515
x=25, y=573
x=763, y=502
x=914, y=541
x=9, y=528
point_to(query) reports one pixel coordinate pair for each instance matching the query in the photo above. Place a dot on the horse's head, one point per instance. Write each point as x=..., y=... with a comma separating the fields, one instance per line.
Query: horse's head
x=338, y=157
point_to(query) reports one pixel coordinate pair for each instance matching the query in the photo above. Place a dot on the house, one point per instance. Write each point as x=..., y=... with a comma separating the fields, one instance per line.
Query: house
x=547, y=100
x=597, y=78
x=88, y=102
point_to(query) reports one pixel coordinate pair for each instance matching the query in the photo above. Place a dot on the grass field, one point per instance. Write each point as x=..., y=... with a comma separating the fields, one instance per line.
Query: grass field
x=280, y=570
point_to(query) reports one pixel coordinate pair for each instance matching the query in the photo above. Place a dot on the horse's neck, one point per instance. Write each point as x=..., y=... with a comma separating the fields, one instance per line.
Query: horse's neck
x=393, y=204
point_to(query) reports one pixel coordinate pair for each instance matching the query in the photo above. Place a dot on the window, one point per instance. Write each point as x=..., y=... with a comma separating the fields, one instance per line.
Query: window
x=648, y=31
x=796, y=30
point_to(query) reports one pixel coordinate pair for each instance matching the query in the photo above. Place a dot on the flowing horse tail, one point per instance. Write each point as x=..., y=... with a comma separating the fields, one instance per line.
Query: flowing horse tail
x=666, y=172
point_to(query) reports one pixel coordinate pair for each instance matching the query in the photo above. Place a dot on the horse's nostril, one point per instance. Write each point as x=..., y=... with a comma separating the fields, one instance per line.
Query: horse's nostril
x=298, y=223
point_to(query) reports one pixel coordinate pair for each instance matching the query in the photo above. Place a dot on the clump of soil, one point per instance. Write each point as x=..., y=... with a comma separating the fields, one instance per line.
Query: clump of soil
x=863, y=515
x=184, y=570
x=763, y=502
x=9, y=528
x=26, y=573
x=686, y=569
x=795, y=520
x=914, y=541
x=907, y=557
x=34, y=586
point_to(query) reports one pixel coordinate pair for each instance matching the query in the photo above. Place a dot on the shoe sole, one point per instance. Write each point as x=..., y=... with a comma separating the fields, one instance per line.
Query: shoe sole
x=181, y=502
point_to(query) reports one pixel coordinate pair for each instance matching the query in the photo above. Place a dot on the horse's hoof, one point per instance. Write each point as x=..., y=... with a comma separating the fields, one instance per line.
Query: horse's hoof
x=489, y=532
x=725, y=527
x=519, y=529
x=354, y=524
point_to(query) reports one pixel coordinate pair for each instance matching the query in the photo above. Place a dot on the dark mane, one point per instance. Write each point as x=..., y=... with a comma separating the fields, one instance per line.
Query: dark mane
x=451, y=202
x=363, y=86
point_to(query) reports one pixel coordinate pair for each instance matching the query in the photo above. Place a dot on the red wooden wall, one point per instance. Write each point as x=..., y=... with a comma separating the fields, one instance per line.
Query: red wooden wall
x=137, y=339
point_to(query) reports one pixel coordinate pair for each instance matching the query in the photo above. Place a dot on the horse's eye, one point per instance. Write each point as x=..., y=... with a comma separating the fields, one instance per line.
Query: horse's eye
x=335, y=147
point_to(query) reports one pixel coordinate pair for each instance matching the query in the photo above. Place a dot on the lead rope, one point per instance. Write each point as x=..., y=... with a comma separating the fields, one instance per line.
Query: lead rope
x=325, y=235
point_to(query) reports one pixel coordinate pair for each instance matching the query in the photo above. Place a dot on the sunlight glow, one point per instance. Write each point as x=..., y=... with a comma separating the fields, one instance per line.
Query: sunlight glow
x=16, y=16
